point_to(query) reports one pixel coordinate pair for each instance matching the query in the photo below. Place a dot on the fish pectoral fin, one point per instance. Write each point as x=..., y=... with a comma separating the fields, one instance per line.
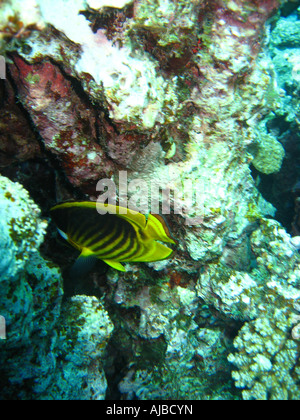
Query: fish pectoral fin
x=116, y=265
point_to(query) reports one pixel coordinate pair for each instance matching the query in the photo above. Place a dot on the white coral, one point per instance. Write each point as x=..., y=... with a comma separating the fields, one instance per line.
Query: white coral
x=21, y=229
x=266, y=358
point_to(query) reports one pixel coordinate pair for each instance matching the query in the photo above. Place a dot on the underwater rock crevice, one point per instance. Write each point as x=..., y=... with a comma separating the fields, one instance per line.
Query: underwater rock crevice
x=68, y=133
x=24, y=157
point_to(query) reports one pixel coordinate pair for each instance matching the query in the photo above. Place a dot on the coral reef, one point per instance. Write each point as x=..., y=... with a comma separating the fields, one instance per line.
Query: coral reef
x=269, y=155
x=46, y=93
x=247, y=294
x=267, y=358
x=283, y=123
x=269, y=295
x=21, y=230
x=81, y=341
x=21, y=144
x=189, y=97
x=187, y=359
x=56, y=347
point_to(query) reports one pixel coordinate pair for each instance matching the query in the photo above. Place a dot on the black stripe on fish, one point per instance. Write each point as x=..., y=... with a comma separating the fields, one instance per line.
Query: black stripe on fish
x=94, y=228
x=137, y=249
x=117, y=245
x=92, y=241
x=103, y=248
x=132, y=248
x=80, y=234
x=125, y=246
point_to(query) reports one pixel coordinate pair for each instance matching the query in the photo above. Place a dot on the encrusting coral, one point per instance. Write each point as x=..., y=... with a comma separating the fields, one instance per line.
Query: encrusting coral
x=183, y=96
x=267, y=358
x=22, y=231
x=56, y=347
x=274, y=271
x=267, y=352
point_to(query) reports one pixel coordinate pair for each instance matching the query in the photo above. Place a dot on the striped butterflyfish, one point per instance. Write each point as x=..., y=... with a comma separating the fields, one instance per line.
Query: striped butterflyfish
x=119, y=236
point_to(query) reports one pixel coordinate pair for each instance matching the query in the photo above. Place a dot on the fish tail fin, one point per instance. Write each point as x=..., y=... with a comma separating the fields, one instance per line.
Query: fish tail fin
x=157, y=229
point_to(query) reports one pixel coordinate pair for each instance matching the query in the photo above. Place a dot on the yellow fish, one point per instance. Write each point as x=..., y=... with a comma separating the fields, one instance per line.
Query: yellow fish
x=120, y=236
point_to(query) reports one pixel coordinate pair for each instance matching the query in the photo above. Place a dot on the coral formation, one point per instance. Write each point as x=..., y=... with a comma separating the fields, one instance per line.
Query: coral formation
x=21, y=144
x=267, y=358
x=186, y=359
x=46, y=93
x=246, y=294
x=269, y=156
x=185, y=97
x=56, y=347
x=81, y=341
x=21, y=230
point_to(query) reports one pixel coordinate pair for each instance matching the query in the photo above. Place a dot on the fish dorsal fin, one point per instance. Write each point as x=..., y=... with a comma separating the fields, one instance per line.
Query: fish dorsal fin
x=131, y=216
x=116, y=265
x=157, y=229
